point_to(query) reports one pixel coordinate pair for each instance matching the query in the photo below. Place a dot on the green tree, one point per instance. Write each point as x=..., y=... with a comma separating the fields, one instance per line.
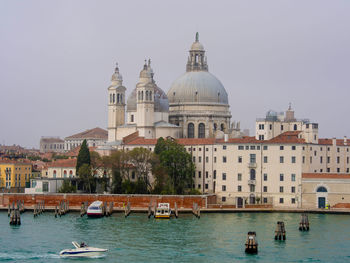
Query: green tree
x=86, y=178
x=67, y=187
x=178, y=164
x=83, y=156
x=142, y=161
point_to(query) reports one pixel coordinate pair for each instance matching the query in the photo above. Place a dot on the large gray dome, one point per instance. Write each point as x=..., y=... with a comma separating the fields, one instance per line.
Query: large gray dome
x=161, y=103
x=197, y=87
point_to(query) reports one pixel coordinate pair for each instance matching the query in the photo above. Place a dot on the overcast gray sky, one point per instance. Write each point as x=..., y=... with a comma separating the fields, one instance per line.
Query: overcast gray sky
x=57, y=58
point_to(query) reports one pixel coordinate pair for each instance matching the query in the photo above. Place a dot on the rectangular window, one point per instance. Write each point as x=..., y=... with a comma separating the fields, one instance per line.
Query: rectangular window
x=240, y=147
x=207, y=149
x=265, y=147
x=199, y=159
x=261, y=126
x=132, y=118
x=214, y=159
x=265, y=189
x=338, y=150
x=281, y=147
x=347, y=159
x=252, y=188
x=281, y=201
x=281, y=127
x=194, y=159
x=199, y=174
x=265, y=177
x=239, y=188
x=281, y=189
x=293, y=178
x=224, y=159
x=239, y=159
x=338, y=159
x=303, y=159
x=252, y=158
x=247, y=147
x=293, y=147
x=281, y=177
x=224, y=176
x=214, y=174
x=338, y=170
x=321, y=159
x=224, y=188
x=199, y=186
x=265, y=159
x=206, y=159
x=293, y=189
x=293, y=159
x=239, y=177
x=261, y=137
x=252, y=147
x=265, y=200
x=206, y=186
x=224, y=147
x=223, y=199
x=293, y=200
x=310, y=159
x=281, y=159
x=206, y=174
x=328, y=159
x=270, y=126
x=328, y=170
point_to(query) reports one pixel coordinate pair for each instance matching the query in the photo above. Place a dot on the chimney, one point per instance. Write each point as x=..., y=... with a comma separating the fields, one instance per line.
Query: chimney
x=334, y=141
x=226, y=137
x=345, y=140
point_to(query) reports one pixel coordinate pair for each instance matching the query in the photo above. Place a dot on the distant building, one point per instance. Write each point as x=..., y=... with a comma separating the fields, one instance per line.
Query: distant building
x=44, y=185
x=94, y=137
x=14, y=173
x=51, y=144
x=65, y=168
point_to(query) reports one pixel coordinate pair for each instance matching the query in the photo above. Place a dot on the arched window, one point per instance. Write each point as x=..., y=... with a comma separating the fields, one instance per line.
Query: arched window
x=121, y=98
x=70, y=173
x=113, y=98
x=118, y=98
x=201, y=130
x=190, y=130
x=141, y=95
x=215, y=126
x=146, y=94
x=54, y=173
x=150, y=96
x=322, y=189
x=295, y=127
x=252, y=174
x=110, y=98
x=64, y=173
x=222, y=127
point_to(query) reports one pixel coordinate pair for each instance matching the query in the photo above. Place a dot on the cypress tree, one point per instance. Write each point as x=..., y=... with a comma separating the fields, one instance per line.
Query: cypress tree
x=83, y=156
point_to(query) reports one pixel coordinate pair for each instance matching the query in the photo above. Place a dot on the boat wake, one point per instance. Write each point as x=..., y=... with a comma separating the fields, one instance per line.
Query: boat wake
x=26, y=256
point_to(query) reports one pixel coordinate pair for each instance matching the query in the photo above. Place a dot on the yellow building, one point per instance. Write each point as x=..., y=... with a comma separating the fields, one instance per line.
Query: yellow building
x=14, y=174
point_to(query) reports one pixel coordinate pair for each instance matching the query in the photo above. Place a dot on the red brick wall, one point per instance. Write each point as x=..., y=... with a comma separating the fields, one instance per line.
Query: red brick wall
x=341, y=205
x=137, y=201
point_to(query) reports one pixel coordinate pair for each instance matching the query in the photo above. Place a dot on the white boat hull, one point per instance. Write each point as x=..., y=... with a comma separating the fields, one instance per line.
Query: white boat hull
x=82, y=252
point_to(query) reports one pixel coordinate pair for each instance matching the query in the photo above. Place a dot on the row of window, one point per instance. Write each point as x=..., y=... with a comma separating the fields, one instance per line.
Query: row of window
x=119, y=98
x=264, y=200
x=262, y=127
x=252, y=189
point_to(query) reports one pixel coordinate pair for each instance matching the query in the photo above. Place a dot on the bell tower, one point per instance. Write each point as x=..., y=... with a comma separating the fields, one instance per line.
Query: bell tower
x=116, y=104
x=145, y=101
x=197, y=61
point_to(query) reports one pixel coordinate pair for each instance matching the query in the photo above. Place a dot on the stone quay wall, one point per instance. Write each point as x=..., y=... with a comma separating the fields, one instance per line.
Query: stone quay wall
x=136, y=201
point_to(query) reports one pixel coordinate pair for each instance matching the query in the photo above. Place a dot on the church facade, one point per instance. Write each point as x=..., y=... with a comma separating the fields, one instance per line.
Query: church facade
x=196, y=105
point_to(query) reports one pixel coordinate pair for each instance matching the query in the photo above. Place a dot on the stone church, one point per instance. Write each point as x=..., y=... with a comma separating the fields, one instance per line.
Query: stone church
x=196, y=105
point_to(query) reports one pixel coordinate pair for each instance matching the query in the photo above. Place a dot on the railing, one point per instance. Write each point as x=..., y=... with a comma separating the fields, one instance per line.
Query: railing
x=251, y=182
x=252, y=165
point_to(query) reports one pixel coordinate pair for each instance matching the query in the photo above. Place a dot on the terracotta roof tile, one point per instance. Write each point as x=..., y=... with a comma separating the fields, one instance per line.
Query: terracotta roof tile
x=339, y=142
x=63, y=163
x=325, y=176
x=95, y=133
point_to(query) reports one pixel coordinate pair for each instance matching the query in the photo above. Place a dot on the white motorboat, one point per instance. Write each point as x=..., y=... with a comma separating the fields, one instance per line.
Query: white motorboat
x=95, y=209
x=163, y=211
x=82, y=250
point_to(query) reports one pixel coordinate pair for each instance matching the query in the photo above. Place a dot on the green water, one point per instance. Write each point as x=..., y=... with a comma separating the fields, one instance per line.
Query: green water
x=213, y=238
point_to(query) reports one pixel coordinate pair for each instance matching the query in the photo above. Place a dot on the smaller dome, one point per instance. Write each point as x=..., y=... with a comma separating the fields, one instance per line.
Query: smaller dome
x=161, y=103
x=197, y=46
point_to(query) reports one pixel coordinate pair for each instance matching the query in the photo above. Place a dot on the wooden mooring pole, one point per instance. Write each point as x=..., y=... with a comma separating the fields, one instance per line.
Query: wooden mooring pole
x=127, y=209
x=280, y=232
x=196, y=210
x=304, y=223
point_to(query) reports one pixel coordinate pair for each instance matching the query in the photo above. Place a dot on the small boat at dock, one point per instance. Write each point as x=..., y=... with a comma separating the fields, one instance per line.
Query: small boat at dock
x=95, y=209
x=163, y=211
x=82, y=250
